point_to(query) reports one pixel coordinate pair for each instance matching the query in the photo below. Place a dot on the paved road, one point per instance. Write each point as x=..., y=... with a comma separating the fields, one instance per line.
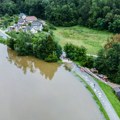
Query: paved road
x=99, y=93
x=4, y=35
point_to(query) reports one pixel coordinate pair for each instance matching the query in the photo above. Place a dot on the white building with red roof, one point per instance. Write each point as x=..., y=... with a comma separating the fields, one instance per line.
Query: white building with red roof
x=30, y=19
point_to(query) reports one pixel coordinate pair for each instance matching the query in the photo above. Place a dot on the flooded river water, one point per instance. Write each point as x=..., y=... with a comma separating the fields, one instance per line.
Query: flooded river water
x=31, y=89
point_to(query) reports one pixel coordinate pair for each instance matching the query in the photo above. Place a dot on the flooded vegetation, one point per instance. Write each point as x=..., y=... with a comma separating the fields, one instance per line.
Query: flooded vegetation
x=31, y=89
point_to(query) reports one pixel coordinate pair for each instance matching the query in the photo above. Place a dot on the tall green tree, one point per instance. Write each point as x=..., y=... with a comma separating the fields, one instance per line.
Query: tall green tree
x=108, y=62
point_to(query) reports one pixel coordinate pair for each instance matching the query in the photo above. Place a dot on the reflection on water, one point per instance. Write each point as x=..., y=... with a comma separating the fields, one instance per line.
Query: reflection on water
x=32, y=64
x=25, y=94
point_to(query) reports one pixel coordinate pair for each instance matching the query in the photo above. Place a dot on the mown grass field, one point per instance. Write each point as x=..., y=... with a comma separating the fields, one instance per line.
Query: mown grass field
x=93, y=40
x=111, y=96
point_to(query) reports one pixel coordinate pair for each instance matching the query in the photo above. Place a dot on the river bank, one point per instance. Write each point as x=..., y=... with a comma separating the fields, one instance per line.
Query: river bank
x=98, y=92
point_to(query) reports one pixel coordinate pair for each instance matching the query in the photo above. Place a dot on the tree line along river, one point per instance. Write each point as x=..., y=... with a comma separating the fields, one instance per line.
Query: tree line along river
x=31, y=89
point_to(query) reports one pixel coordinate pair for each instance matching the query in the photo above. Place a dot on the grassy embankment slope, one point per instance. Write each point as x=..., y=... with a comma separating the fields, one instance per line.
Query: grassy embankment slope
x=93, y=40
x=111, y=96
x=101, y=108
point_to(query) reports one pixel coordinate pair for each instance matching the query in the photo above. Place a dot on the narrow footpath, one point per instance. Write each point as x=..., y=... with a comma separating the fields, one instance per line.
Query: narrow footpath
x=98, y=91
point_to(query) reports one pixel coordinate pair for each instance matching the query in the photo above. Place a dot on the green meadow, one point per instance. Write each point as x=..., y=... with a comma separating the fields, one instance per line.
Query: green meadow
x=92, y=39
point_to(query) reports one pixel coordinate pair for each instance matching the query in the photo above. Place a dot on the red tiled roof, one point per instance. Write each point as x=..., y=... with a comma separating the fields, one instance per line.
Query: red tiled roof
x=31, y=18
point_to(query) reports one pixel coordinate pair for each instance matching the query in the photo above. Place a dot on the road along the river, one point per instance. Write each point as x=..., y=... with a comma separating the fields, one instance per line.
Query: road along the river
x=4, y=35
x=98, y=91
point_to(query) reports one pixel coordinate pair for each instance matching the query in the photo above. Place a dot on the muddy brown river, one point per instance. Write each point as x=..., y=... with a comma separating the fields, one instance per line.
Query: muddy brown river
x=31, y=89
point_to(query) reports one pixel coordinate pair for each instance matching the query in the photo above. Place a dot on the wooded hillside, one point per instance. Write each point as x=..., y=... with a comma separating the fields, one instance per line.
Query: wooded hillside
x=100, y=14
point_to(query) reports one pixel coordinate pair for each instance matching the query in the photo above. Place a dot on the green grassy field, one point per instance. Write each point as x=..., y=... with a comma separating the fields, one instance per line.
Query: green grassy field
x=93, y=40
x=111, y=96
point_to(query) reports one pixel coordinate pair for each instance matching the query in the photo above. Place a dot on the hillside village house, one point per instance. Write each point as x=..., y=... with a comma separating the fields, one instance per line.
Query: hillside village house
x=21, y=21
x=30, y=19
x=27, y=24
x=22, y=15
x=37, y=25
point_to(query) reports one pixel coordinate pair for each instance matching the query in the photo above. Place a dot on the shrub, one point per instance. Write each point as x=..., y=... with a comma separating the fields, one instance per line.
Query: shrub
x=78, y=54
x=2, y=40
x=52, y=58
x=23, y=45
x=89, y=62
x=108, y=62
x=11, y=43
x=75, y=53
x=45, y=48
x=46, y=28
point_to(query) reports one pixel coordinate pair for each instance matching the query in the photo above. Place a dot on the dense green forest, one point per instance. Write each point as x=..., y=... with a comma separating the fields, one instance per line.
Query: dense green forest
x=100, y=14
x=108, y=61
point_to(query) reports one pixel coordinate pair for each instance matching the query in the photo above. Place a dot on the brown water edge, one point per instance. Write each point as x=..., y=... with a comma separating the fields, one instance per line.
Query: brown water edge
x=31, y=64
x=31, y=89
